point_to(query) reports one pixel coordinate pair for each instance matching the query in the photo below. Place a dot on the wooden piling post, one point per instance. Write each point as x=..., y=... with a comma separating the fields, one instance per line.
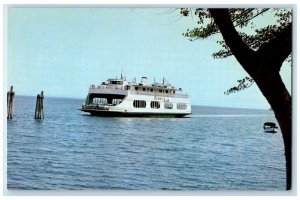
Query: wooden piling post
x=39, y=107
x=10, y=100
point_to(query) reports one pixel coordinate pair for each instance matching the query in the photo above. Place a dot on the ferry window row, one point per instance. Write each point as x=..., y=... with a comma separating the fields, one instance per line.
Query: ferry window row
x=116, y=101
x=145, y=89
x=104, y=101
x=139, y=104
x=181, y=106
x=116, y=82
x=156, y=104
x=168, y=105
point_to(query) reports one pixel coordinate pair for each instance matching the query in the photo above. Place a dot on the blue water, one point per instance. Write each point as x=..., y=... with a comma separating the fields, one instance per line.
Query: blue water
x=213, y=149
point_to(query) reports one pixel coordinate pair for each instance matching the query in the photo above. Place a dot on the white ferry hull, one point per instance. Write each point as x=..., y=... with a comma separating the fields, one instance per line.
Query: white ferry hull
x=133, y=102
x=126, y=108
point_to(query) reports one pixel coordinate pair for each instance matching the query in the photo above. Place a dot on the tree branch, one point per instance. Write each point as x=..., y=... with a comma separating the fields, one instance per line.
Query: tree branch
x=233, y=39
x=278, y=48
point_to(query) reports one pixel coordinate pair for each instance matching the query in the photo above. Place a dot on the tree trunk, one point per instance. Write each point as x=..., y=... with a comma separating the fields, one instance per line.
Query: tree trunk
x=274, y=90
x=264, y=66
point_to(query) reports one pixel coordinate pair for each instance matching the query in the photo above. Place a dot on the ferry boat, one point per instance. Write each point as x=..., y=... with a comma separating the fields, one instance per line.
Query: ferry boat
x=119, y=97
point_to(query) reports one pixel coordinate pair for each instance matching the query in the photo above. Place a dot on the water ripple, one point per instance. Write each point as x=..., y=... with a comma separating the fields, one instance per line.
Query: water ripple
x=214, y=149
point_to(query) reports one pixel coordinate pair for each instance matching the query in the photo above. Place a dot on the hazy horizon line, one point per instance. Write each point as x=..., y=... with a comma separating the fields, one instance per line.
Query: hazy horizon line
x=214, y=106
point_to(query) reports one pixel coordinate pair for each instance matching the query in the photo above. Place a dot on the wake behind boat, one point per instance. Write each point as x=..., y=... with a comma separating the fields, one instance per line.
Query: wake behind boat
x=118, y=97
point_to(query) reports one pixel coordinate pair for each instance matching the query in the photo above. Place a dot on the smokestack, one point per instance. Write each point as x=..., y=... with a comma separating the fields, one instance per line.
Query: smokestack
x=144, y=80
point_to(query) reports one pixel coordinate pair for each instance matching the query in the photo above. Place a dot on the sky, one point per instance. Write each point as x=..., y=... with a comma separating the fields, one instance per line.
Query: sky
x=64, y=50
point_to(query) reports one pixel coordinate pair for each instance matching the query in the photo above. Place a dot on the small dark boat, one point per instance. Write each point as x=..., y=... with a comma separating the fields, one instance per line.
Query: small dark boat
x=270, y=127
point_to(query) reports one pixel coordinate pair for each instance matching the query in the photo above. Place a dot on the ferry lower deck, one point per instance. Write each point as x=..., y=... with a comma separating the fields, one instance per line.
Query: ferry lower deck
x=105, y=113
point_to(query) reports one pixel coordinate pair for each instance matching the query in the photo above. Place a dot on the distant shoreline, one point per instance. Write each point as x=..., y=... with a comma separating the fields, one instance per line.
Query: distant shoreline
x=200, y=106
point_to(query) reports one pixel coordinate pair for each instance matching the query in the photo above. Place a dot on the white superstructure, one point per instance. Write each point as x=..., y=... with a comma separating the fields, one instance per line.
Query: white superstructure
x=118, y=97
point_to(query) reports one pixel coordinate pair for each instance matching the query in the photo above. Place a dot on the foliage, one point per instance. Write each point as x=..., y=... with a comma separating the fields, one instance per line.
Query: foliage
x=244, y=21
x=241, y=18
x=243, y=84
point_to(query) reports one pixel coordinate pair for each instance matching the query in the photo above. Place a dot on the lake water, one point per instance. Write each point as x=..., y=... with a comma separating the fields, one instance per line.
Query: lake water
x=213, y=149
